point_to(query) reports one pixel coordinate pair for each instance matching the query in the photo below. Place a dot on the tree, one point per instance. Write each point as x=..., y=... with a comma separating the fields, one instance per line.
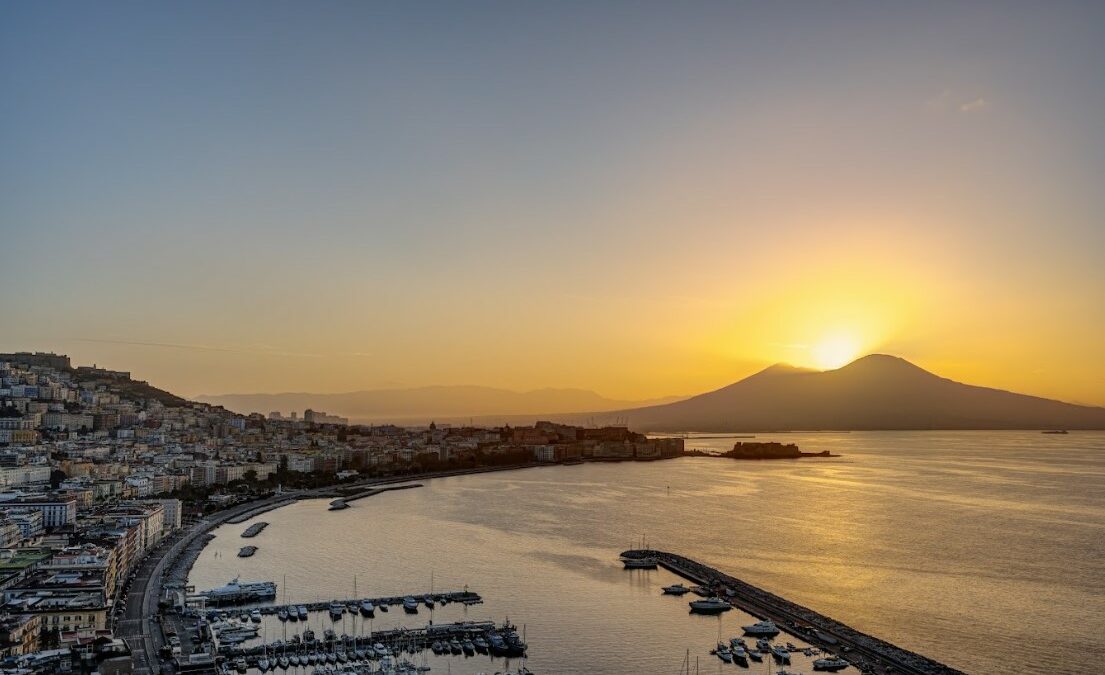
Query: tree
x=56, y=477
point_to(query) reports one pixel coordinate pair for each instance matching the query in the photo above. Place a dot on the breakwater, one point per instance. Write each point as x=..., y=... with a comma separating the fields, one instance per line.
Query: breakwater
x=261, y=508
x=254, y=529
x=866, y=652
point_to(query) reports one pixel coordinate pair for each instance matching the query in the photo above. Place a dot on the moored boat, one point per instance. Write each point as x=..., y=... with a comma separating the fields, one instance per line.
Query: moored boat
x=714, y=605
x=830, y=663
x=765, y=627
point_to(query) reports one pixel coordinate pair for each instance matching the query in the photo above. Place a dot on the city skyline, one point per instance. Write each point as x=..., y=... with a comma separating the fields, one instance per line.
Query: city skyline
x=640, y=200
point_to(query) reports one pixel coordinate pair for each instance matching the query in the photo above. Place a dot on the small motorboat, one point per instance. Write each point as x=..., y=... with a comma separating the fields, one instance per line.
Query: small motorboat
x=832, y=663
x=714, y=605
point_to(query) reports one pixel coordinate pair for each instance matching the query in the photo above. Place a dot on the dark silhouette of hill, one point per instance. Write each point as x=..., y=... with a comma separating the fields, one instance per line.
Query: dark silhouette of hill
x=876, y=392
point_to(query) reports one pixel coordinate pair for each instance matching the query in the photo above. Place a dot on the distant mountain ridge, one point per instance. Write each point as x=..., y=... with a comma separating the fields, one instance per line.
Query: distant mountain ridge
x=421, y=404
x=876, y=392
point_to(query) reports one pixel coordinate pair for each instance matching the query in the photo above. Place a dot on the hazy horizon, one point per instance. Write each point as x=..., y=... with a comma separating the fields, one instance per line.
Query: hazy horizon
x=641, y=200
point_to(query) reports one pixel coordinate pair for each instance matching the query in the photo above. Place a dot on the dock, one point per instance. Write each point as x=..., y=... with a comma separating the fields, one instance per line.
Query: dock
x=397, y=640
x=866, y=652
x=464, y=597
x=372, y=492
x=254, y=530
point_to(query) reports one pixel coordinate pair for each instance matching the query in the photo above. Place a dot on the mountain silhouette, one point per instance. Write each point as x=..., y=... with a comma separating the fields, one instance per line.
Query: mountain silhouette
x=876, y=392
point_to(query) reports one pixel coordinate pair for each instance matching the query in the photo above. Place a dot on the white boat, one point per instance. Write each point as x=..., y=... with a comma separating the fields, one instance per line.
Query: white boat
x=262, y=664
x=410, y=604
x=255, y=616
x=780, y=652
x=238, y=591
x=367, y=608
x=714, y=605
x=740, y=654
x=832, y=663
x=676, y=589
x=761, y=628
x=282, y=614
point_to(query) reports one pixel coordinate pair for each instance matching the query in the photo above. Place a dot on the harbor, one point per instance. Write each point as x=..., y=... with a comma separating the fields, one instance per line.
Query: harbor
x=842, y=644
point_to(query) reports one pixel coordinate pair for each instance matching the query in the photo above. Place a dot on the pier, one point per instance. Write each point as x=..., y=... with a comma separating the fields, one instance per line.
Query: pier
x=257, y=510
x=397, y=640
x=866, y=652
x=354, y=496
x=464, y=597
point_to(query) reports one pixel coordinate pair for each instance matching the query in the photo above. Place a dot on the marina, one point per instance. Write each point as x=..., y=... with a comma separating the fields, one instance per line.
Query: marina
x=486, y=637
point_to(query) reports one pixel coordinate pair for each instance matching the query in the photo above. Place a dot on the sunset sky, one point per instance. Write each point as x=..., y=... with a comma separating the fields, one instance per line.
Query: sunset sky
x=640, y=199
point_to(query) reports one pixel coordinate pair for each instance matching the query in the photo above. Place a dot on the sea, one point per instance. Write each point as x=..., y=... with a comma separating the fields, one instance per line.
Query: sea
x=982, y=550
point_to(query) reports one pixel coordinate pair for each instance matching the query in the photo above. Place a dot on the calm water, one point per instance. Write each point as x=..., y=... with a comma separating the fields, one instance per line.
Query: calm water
x=983, y=550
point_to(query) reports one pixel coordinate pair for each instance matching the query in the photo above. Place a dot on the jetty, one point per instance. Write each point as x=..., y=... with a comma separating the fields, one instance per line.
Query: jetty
x=376, y=491
x=464, y=597
x=397, y=640
x=259, y=509
x=254, y=529
x=866, y=652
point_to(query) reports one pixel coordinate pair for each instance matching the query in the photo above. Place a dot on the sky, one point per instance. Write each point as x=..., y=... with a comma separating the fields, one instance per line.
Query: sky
x=642, y=199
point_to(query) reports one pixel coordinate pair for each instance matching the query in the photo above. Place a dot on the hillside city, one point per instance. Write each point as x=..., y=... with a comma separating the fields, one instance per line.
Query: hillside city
x=97, y=470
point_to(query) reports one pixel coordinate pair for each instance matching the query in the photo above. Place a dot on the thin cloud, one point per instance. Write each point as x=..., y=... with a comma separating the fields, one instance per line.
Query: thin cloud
x=974, y=106
x=948, y=101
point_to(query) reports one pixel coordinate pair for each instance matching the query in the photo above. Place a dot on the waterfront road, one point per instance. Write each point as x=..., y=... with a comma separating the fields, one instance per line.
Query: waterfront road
x=138, y=622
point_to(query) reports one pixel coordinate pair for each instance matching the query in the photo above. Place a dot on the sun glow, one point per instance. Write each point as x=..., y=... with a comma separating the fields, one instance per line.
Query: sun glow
x=835, y=351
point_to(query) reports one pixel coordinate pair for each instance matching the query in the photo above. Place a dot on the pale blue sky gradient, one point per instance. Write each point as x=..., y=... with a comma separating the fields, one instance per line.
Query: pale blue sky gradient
x=530, y=194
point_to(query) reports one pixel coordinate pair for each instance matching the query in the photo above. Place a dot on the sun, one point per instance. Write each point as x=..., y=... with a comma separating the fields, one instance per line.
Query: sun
x=835, y=351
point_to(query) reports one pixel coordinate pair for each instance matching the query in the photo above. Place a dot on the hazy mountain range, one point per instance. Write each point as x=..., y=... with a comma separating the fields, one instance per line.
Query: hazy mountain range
x=422, y=404
x=876, y=392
